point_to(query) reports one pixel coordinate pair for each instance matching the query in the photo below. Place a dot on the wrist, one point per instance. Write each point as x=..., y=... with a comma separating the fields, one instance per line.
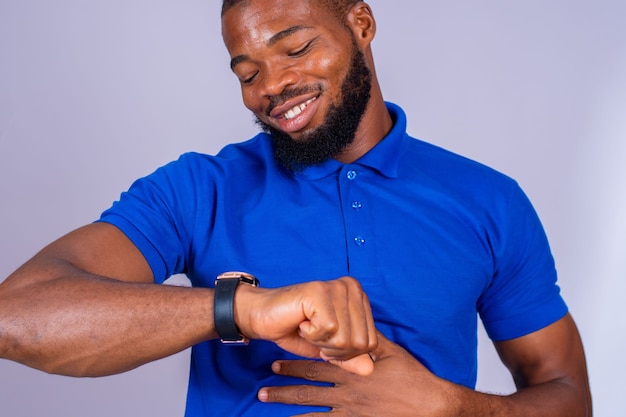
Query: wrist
x=226, y=286
x=246, y=296
x=470, y=403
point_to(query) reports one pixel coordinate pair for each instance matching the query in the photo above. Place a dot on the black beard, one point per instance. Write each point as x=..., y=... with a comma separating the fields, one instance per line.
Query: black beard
x=339, y=129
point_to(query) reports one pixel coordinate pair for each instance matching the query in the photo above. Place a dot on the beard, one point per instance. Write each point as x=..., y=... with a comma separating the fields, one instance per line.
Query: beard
x=340, y=125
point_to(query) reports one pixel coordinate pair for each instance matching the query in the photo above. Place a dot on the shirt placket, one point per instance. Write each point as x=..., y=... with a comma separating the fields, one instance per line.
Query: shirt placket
x=360, y=239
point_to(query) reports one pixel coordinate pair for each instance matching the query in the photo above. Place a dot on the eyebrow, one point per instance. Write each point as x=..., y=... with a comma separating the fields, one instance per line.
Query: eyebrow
x=272, y=41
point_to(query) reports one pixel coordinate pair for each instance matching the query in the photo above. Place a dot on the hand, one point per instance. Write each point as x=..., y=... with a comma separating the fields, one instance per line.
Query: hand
x=331, y=320
x=399, y=386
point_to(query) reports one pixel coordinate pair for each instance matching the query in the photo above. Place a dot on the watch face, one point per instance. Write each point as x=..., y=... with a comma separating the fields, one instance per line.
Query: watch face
x=239, y=342
x=241, y=276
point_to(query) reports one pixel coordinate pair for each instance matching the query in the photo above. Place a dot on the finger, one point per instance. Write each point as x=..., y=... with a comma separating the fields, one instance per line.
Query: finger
x=323, y=414
x=319, y=331
x=299, y=346
x=297, y=394
x=357, y=332
x=354, y=317
x=310, y=370
x=321, y=313
x=334, y=371
x=363, y=337
x=363, y=328
x=372, y=332
x=342, y=317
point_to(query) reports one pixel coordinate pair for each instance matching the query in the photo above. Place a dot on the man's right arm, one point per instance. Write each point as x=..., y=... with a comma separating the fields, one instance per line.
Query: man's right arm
x=86, y=305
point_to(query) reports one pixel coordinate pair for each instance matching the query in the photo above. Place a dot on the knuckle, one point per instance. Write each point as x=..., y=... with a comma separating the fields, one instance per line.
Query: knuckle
x=330, y=327
x=312, y=370
x=303, y=394
x=361, y=343
x=319, y=287
x=321, y=290
x=351, y=282
x=341, y=341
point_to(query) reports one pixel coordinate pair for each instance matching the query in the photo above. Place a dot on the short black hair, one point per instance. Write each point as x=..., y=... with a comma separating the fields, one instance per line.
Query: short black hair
x=338, y=7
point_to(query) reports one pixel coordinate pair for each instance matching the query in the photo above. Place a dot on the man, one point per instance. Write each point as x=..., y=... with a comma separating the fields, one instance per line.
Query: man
x=423, y=239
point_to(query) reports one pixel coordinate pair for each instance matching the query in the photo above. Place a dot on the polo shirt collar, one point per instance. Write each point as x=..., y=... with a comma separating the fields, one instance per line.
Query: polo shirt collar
x=383, y=158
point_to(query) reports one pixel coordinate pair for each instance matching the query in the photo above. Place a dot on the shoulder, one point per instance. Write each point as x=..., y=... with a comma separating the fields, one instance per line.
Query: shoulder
x=437, y=159
x=424, y=160
x=241, y=157
x=454, y=173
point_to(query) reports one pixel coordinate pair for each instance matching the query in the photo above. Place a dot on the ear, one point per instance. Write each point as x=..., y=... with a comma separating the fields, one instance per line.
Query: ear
x=361, y=21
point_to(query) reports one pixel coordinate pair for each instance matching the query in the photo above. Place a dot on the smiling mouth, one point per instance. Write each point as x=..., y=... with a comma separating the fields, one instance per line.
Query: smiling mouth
x=296, y=110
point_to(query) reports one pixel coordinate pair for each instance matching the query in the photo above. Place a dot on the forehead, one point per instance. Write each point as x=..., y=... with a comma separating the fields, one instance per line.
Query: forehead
x=258, y=21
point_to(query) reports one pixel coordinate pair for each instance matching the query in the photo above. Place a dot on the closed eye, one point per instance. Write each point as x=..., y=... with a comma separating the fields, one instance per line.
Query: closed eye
x=249, y=79
x=304, y=49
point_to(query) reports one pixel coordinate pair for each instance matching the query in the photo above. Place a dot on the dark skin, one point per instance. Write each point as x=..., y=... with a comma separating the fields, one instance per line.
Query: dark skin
x=548, y=365
x=550, y=376
x=96, y=277
x=310, y=49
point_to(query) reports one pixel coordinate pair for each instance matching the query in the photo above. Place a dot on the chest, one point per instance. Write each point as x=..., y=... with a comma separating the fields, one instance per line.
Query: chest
x=407, y=243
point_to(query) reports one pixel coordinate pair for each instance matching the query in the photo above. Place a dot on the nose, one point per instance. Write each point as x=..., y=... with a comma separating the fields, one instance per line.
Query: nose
x=274, y=81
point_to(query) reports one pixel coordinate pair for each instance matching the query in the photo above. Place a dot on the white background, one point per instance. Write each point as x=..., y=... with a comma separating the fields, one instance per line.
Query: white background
x=96, y=94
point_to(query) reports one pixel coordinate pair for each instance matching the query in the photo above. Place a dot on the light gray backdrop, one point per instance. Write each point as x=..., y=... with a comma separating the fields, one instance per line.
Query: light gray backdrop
x=94, y=94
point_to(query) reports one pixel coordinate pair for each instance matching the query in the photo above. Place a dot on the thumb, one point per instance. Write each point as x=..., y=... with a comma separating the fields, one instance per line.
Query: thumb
x=364, y=364
x=361, y=364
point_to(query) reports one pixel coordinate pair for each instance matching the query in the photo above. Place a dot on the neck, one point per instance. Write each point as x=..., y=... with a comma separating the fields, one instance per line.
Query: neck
x=375, y=125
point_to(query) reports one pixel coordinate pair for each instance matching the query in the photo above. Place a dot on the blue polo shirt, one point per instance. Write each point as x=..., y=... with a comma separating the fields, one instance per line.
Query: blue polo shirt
x=434, y=238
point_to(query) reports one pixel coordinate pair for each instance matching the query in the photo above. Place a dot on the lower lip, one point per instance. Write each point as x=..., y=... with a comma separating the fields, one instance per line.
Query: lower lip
x=299, y=122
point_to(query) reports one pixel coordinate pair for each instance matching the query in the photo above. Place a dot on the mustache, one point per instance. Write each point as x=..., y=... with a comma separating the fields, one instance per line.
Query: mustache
x=278, y=100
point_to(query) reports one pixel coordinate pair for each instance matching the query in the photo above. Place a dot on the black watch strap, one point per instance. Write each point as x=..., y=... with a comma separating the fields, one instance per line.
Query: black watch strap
x=224, y=306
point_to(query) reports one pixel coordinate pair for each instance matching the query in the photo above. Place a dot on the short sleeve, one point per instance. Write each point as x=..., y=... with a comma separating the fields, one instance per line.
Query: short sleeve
x=157, y=214
x=523, y=295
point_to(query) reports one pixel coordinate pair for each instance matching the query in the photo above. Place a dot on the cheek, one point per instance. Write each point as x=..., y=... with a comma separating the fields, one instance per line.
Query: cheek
x=330, y=66
x=251, y=101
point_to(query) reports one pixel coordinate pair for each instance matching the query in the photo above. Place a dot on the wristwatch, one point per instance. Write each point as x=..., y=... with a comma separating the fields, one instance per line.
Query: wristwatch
x=224, y=305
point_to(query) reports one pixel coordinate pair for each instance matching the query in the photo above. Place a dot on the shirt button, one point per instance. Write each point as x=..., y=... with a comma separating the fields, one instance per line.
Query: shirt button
x=351, y=175
x=357, y=205
x=359, y=240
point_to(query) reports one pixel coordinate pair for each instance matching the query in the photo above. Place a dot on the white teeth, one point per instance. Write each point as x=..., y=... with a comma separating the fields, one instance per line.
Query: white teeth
x=296, y=110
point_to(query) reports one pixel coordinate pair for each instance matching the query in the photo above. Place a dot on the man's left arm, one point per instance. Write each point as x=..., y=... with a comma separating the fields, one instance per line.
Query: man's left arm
x=548, y=367
x=550, y=372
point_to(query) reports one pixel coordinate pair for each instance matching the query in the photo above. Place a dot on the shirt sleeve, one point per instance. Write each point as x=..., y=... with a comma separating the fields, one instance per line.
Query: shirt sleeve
x=157, y=214
x=523, y=296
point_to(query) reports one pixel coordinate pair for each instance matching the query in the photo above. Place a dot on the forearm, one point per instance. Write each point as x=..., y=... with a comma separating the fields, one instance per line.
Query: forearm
x=77, y=324
x=60, y=319
x=551, y=399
